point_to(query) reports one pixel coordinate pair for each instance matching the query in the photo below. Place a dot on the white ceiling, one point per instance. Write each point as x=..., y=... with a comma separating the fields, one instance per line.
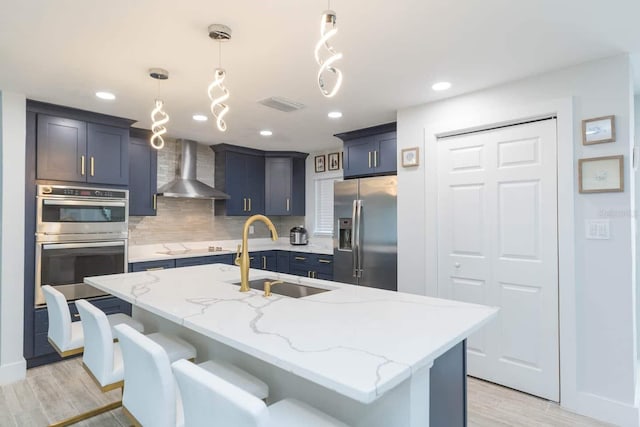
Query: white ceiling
x=63, y=51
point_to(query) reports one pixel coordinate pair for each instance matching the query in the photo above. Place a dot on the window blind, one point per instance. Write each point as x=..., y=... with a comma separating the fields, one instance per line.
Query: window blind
x=324, y=206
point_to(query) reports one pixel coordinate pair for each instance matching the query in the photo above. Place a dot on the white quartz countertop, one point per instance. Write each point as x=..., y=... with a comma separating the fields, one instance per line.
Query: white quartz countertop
x=160, y=251
x=357, y=341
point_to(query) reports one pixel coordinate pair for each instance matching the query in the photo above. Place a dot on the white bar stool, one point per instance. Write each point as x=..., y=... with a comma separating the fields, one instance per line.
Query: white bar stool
x=150, y=397
x=210, y=401
x=65, y=336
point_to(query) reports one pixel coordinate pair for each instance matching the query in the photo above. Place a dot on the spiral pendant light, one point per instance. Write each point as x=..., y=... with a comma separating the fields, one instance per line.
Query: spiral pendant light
x=218, y=106
x=159, y=117
x=328, y=30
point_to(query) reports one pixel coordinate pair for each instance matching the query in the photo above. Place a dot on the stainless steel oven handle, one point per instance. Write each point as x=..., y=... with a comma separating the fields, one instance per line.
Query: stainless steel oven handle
x=84, y=202
x=81, y=245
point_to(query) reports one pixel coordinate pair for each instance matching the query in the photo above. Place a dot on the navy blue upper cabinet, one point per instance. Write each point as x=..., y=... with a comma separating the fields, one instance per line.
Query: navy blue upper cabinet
x=143, y=180
x=285, y=183
x=80, y=146
x=62, y=148
x=108, y=153
x=239, y=172
x=370, y=151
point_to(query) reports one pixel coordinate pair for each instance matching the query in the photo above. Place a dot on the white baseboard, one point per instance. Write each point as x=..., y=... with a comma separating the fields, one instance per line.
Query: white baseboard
x=12, y=372
x=603, y=409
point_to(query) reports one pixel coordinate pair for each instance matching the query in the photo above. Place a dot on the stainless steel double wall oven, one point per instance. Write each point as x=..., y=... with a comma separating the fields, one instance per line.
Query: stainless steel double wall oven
x=80, y=232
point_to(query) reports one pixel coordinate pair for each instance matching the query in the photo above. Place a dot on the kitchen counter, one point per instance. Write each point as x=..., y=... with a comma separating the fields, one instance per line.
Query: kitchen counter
x=355, y=341
x=154, y=252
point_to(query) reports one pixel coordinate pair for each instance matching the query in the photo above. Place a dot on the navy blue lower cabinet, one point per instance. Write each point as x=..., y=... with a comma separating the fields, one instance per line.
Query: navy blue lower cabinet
x=152, y=265
x=282, y=261
x=203, y=260
x=315, y=266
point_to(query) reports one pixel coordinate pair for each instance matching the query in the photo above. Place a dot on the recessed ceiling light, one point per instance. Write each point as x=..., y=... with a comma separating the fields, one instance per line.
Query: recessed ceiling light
x=441, y=86
x=200, y=118
x=334, y=114
x=106, y=95
x=266, y=132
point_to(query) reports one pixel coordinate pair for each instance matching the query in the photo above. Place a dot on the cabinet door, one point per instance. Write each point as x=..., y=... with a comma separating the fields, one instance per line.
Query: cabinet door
x=236, y=183
x=61, y=146
x=143, y=180
x=358, y=157
x=254, y=169
x=298, y=187
x=108, y=151
x=278, y=180
x=268, y=261
x=282, y=262
x=386, y=162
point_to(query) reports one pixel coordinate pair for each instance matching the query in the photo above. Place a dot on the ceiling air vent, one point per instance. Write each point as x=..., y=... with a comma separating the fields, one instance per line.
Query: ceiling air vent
x=281, y=104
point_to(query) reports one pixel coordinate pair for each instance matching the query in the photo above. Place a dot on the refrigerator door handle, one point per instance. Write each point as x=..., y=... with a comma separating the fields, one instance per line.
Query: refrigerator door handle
x=354, y=238
x=359, y=226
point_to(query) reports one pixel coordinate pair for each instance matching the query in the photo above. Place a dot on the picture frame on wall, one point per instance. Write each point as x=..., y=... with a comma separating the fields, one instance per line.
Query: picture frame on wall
x=601, y=174
x=320, y=165
x=410, y=157
x=334, y=161
x=598, y=130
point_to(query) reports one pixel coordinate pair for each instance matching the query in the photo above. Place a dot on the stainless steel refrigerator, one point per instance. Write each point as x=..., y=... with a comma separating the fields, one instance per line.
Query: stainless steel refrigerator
x=365, y=235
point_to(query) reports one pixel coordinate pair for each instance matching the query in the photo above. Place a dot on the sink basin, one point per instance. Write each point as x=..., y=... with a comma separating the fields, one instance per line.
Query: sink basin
x=289, y=289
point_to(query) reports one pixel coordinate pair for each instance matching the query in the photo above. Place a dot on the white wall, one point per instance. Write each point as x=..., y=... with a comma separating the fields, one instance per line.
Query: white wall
x=597, y=288
x=12, y=172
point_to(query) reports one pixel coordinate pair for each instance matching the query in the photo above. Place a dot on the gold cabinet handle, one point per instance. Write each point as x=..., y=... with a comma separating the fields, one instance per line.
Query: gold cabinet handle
x=369, y=158
x=249, y=204
x=375, y=159
x=300, y=258
x=264, y=262
x=154, y=268
x=92, y=166
x=308, y=274
x=77, y=316
x=82, y=165
x=244, y=204
x=155, y=202
x=288, y=205
x=324, y=261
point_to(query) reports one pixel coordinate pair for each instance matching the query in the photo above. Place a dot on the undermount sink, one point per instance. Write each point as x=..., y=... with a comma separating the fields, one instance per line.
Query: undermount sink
x=293, y=290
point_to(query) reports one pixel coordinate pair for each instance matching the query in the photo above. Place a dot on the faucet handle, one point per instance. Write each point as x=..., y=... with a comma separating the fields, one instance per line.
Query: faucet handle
x=237, y=260
x=268, y=285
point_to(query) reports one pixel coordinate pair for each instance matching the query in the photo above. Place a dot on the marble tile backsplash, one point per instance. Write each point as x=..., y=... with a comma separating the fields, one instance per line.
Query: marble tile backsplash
x=190, y=220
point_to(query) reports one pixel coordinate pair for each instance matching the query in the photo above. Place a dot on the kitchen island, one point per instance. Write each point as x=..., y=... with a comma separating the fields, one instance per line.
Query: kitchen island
x=361, y=354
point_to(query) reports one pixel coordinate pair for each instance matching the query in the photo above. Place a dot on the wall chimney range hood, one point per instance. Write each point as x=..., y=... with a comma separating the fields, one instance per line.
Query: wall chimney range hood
x=186, y=185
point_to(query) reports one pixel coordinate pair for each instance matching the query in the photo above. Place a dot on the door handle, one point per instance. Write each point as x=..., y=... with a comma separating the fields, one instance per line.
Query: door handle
x=155, y=202
x=354, y=238
x=369, y=158
x=375, y=159
x=249, y=204
x=359, y=226
x=82, y=165
x=244, y=205
x=92, y=166
x=324, y=261
x=300, y=258
x=264, y=262
x=288, y=205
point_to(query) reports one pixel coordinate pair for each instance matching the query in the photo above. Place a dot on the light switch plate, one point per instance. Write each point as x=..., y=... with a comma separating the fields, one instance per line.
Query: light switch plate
x=597, y=229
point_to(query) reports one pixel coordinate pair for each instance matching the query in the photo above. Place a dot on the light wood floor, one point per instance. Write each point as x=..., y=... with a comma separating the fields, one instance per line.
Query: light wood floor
x=53, y=392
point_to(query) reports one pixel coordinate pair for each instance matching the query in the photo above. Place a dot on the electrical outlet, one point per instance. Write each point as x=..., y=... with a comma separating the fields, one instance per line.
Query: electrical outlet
x=597, y=229
x=251, y=229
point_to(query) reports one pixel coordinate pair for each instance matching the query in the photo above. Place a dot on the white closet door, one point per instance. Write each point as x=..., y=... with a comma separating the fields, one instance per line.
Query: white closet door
x=498, y=245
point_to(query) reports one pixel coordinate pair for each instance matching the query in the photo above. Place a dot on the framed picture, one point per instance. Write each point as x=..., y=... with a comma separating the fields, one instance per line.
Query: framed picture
x=601, y=174
x=320, y=167
x=410, y=157
x=334, y=161
x=598, y=130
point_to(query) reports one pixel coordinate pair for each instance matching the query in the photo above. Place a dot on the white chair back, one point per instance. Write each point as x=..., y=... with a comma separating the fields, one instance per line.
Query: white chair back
x=59, y=317
x=98, y=342
x=149, y=391
x=211, y=401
